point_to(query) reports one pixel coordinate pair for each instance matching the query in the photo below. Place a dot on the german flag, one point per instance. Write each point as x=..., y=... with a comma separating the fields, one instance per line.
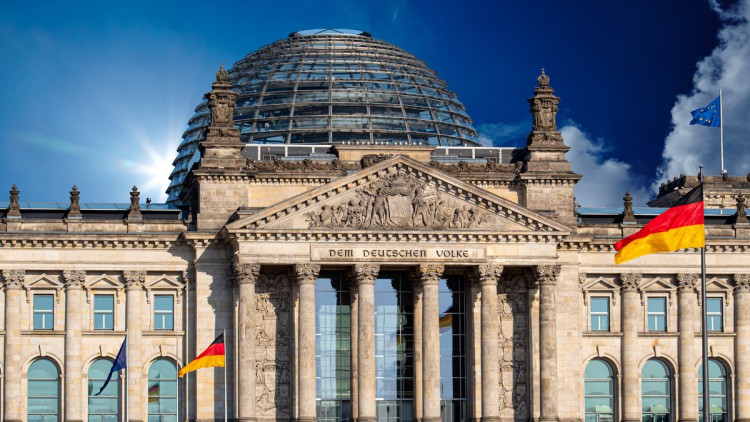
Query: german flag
x=679, y=227
x=213, y=356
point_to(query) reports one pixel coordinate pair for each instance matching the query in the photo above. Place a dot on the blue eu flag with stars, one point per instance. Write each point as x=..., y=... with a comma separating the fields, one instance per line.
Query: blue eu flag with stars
x=709, y=115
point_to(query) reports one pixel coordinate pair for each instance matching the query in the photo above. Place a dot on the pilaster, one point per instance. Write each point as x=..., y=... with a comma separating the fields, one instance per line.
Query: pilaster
x=546, y=277
x=742, y=345
x=133, y=321
x=488, y=277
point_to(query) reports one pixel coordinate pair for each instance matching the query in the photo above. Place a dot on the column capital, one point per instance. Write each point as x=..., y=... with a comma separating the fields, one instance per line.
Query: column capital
x=134, y=279
x=630, y=282
x=487, y=274
x=306, y=273
x=546, y=274
x=688, y=282
x=74, y=279
x=742, y=282
x=430, y=273
x=13, y=279
x=245, y=273
x=365, y=273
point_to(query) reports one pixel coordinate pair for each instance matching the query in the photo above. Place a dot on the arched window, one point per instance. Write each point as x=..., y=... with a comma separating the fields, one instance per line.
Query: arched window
x=44, y=391
x=599, y=391
x=162, y=391
x=717, y=391
x=656, y=390
x=106, y=406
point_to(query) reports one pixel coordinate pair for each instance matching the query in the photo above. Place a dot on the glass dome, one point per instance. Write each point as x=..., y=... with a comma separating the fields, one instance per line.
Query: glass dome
x=328, y=86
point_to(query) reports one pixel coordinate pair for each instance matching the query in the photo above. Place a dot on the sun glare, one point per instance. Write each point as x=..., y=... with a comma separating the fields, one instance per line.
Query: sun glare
x=155, y=168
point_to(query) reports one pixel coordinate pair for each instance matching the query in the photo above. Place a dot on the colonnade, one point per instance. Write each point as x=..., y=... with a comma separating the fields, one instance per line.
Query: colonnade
x=426, y=338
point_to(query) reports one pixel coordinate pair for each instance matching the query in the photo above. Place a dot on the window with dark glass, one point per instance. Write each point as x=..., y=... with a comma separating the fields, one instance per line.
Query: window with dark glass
x=714, y=313
x=599, y=392
x=106, y=406
x=717, y=391
x=453, y=370
x=162, y=391
x=43, y=403
x=599, y=313
x=104, y=312
x=333, y=347
x=394, y=347
x=44, y=310
x=657, y=314
x=163, y=312
x=656, y=392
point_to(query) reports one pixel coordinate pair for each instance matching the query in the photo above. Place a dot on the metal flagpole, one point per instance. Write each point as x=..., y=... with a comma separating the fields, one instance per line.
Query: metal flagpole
x=704, y=326
x=127, y=384
x=721, y=130
x=224, y=335
x=176, y=356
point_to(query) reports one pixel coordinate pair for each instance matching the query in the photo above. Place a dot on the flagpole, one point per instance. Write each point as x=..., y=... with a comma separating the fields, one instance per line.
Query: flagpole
x=127, y=385
x=226, y=363
x=704, y=325
x=721, y=129
x=176, y=357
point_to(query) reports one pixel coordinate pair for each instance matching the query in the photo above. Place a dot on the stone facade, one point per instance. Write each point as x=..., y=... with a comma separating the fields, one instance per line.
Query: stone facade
x=246, y=260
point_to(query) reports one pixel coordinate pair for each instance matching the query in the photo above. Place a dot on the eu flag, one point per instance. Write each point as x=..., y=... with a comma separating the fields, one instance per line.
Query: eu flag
x=117, y=365
x=709, y=115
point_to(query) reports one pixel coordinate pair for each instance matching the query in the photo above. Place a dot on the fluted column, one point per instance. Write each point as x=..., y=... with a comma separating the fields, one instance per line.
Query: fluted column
x=430, y=276
x=354, y=341
x=742, y=345
x=546, y=278
x=488, y=276
x=366, y=275
x=73, y=364
x=416, y=282
x=133, y=319
x=306, y=275
x=13, y=368
x=631, y=409
x=688, y=285
x=245, y=276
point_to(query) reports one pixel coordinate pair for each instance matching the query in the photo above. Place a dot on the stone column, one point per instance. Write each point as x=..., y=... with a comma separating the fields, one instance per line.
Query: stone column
x=742, y=345
x=416, y=282
x=306, y=275
x=366, y=275
x=546, y=278
x=688, y=285
x=245, y=276
x=475, y=350
x=73, y=364
x=13, y=403
x=133, y=322
x=631, y=305
x=488, y=276
x=354, y=341
x=430, y=276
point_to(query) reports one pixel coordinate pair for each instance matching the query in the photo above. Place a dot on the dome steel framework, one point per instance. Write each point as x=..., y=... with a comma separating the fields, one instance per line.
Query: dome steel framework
x=334, y=86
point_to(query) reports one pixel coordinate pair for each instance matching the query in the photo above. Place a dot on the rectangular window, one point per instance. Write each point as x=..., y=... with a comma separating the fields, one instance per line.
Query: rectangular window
x=657, y=314
x=43, y=312
x=164, y=312
x=104, y=312
x=714, y=311
x=599, y=314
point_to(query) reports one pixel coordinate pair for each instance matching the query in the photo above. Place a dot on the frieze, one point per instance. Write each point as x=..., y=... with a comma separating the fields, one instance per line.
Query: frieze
x=379, y=253
x=396, y=236
x=400, y=201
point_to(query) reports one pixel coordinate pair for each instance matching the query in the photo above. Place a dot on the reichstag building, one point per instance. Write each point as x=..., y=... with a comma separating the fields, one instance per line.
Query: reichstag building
x=332, y=211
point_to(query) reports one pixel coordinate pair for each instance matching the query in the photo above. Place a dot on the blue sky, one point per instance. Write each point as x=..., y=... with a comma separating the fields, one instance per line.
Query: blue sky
x=98, y=93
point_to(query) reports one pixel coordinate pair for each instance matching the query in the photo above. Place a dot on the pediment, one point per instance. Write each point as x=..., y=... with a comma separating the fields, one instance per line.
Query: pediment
x=399, y=195
x=717, y=284
x=164, y=282
x=658, y=284
x=44, y=281
x=104, y=281
x=600, y=284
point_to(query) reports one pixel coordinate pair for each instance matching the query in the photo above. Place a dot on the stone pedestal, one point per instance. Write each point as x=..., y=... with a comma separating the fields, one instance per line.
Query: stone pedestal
x=688, y=285
x=488, y=276
x=546, y=278
x=631, y=397
x=245, y=276
x=306, y=275
x=742, y=345
x=73, y=365
x=366, y=275
x=14, y=296
x=430, y=277
x=133, y=322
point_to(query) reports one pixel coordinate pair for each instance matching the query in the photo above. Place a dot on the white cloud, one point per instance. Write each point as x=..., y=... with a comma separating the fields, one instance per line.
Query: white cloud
x=605, y=180
x=726, y=68
x=500, y=134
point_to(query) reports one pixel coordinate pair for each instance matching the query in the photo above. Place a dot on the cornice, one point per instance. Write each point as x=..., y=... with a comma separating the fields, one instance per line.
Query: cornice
x=590, y=244
x=312, y=235
x=89, y=241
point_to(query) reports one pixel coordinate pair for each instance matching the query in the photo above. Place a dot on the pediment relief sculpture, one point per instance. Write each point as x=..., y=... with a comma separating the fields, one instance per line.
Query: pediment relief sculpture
x=400, y=201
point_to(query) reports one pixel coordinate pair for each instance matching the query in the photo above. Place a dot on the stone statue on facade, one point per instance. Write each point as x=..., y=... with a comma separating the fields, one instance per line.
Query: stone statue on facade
x=741, y=215
x=628, y=216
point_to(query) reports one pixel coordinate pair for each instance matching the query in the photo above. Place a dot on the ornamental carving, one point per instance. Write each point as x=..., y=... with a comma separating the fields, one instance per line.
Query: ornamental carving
x=306, y=273
x=134, y=213
x=74, y=211
x=365, y=273
x=14, y=209
x=630, y=282
x=546, y=274
x=74, y=279
x=488, y=274
x=273, y=345
x=688, y=282
x=430, y=273
x=304, y=165
x=742, y=282
x=245, y=273
x=372, y=159
x=13, y=279
x=741, y=215
x=134, y=279
x=513, y=353
x=399, y=201
x=488, y=167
